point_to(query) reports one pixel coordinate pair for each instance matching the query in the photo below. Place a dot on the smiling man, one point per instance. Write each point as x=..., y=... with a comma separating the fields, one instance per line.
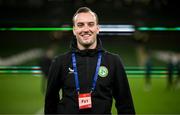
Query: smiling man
x=85, y=29
x=89, y=76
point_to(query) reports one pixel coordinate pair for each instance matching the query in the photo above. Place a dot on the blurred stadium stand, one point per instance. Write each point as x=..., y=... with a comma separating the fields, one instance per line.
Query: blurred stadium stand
x=58, y=13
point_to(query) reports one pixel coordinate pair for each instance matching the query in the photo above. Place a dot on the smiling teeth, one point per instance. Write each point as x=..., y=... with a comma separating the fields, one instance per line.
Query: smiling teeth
x=86, y=35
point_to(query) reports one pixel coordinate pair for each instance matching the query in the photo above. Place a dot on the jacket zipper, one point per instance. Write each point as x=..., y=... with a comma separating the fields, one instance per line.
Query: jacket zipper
x=87, y=67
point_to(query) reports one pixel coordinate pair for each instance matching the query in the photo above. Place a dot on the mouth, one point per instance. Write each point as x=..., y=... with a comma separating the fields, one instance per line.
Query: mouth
x=85, y=36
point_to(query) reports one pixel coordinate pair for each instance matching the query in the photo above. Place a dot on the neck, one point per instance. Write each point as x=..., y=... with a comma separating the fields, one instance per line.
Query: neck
x=81, y=47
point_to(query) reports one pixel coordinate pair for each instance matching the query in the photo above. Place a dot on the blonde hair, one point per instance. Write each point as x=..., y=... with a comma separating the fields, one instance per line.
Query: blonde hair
x=85, y=10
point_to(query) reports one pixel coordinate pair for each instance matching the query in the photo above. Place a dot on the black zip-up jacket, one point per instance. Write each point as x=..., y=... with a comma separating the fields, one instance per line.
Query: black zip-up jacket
x=114, y=85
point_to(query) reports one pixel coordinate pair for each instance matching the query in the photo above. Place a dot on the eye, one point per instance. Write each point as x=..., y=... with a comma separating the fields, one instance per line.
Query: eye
x=80, y=25
x=91, y=24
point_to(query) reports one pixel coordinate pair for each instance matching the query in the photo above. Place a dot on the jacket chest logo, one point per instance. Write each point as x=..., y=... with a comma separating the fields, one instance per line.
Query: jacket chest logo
x=103, y=71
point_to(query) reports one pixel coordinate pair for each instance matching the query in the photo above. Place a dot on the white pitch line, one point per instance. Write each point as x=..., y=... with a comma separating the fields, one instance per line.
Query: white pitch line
x=40, y=111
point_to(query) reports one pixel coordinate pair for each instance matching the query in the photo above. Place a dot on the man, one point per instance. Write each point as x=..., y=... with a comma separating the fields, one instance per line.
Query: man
x=88, y=75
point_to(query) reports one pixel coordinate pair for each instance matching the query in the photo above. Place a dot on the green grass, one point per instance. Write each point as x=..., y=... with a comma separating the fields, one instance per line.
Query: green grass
x=21, y=94
x=159, y=100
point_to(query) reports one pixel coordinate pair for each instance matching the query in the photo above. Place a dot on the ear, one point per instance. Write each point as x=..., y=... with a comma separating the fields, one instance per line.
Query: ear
x=74, y=31
x=98, y=29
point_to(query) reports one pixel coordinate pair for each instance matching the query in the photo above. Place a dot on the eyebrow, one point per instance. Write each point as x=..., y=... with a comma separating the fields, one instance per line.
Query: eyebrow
x=85, y=22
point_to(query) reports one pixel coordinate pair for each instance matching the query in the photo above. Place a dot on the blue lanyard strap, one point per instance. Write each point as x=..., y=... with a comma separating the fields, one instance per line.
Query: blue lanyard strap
x=76, y=72
x=97, y=70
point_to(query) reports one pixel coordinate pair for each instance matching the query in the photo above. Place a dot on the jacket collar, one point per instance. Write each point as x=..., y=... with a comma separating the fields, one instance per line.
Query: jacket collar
x=89, y=52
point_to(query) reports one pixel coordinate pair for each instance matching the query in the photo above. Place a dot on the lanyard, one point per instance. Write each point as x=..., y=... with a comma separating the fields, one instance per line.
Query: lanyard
x=76, y=72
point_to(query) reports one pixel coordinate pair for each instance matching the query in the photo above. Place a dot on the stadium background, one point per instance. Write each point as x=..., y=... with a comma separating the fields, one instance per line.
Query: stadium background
x=21, y=50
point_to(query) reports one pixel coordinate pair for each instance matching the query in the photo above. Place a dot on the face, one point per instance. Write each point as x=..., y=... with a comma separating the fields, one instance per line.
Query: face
x=86, y=29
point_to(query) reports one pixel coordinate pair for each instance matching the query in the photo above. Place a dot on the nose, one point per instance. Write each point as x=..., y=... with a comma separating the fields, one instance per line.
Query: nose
x=86, y=28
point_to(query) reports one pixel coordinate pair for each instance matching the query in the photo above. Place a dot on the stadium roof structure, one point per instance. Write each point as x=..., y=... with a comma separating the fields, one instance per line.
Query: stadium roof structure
x=53, y=13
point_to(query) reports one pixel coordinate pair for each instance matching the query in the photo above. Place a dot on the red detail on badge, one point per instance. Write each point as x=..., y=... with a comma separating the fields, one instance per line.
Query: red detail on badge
x=85, y=101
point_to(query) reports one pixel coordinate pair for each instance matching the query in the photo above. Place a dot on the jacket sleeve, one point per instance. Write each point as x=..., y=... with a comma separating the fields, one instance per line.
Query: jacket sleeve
x=121, y=91
x=53, y=87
